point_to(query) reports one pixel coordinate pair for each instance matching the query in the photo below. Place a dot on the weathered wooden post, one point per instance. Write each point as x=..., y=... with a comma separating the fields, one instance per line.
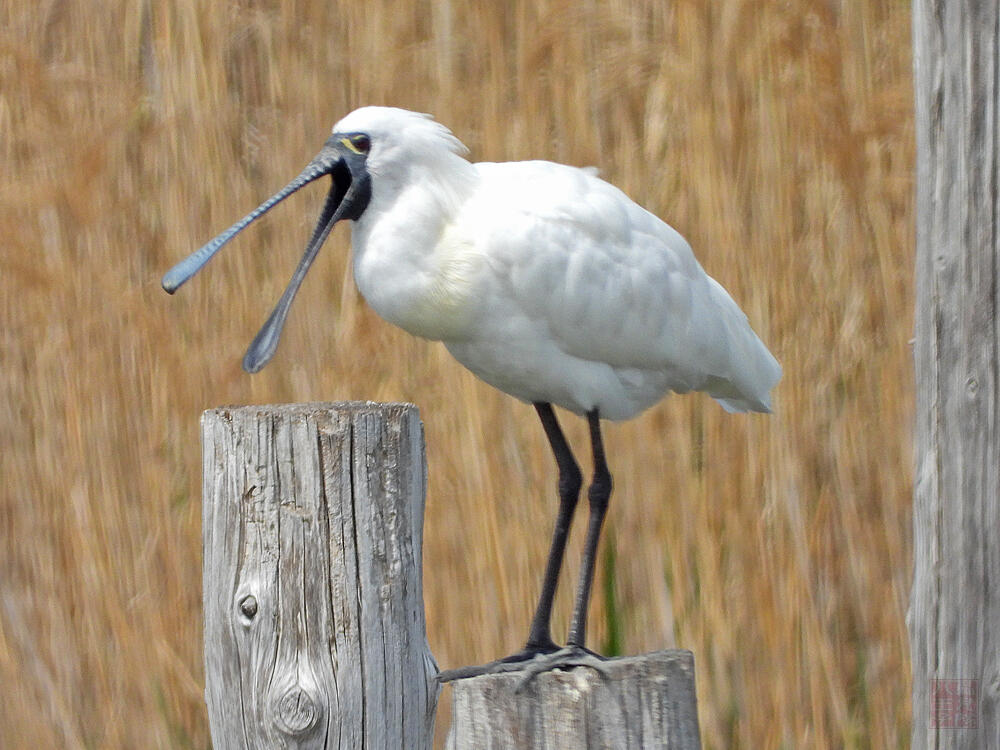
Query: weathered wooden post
x=314, y=620
x=640, y=702
x=954, y=614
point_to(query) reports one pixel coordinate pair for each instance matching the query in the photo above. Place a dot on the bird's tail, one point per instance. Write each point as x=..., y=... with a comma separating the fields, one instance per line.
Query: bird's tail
x=753, y=371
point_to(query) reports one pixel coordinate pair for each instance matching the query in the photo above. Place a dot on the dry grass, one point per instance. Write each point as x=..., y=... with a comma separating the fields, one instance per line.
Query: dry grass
x=776, y=136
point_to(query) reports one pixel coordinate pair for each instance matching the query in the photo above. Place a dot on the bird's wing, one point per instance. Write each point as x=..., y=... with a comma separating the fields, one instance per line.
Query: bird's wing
x=611, y=282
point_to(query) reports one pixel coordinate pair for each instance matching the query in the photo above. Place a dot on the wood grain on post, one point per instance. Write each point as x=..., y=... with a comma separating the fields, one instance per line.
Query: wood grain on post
x=314, y=619
x=954, y=617
x=640, y=702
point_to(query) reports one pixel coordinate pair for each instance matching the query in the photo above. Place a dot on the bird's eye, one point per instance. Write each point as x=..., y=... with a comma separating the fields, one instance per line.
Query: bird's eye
x=362, y=143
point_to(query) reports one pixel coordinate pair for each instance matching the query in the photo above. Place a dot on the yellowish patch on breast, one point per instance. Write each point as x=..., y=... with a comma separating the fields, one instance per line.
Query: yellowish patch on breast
x=449, y=301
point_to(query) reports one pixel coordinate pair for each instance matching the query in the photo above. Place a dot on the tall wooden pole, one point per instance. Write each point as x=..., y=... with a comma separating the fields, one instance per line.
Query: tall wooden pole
x=955, y=609
x=314, y=619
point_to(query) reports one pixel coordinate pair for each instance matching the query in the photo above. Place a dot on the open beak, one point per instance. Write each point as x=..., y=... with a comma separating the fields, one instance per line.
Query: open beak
x=349, y=194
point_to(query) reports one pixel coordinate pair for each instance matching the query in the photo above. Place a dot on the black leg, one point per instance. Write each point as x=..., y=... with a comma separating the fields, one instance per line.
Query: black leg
x=570, y=480
x=599, y=493
x=540, y=648
x=540, y=654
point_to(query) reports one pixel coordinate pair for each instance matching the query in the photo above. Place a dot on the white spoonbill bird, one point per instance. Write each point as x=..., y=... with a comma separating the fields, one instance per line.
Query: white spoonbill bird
x=545, y=281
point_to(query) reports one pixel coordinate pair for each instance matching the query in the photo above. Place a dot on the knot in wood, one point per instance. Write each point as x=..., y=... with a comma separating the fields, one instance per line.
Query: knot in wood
x=297, y=711
x=248, y=607
x=971, y=386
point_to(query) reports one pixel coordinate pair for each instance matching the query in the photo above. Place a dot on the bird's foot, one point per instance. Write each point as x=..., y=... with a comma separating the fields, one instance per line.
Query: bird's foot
x=532, y=662
x=565, y=658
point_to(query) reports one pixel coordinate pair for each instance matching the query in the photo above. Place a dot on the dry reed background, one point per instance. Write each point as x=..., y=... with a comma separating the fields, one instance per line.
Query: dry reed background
x=775, y=135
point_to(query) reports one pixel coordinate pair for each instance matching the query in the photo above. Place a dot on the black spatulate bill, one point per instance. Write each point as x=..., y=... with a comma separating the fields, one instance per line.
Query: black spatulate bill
x=349, y=193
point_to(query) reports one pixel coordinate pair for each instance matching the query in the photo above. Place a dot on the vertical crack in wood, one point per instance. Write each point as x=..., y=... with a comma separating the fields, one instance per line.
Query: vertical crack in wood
x=323, y=515
x=275, y=483
x=380, y=443
x=302, y=645
x=934, y=144
x=235, y=471
x=991, y=667
x=356, y=543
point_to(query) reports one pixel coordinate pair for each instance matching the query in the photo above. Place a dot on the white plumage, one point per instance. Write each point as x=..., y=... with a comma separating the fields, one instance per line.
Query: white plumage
x=544, y=280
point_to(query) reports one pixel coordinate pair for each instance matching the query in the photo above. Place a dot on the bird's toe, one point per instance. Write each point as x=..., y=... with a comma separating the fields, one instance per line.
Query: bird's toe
x=513, y=663
x=532, y=663
x=566, y=658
